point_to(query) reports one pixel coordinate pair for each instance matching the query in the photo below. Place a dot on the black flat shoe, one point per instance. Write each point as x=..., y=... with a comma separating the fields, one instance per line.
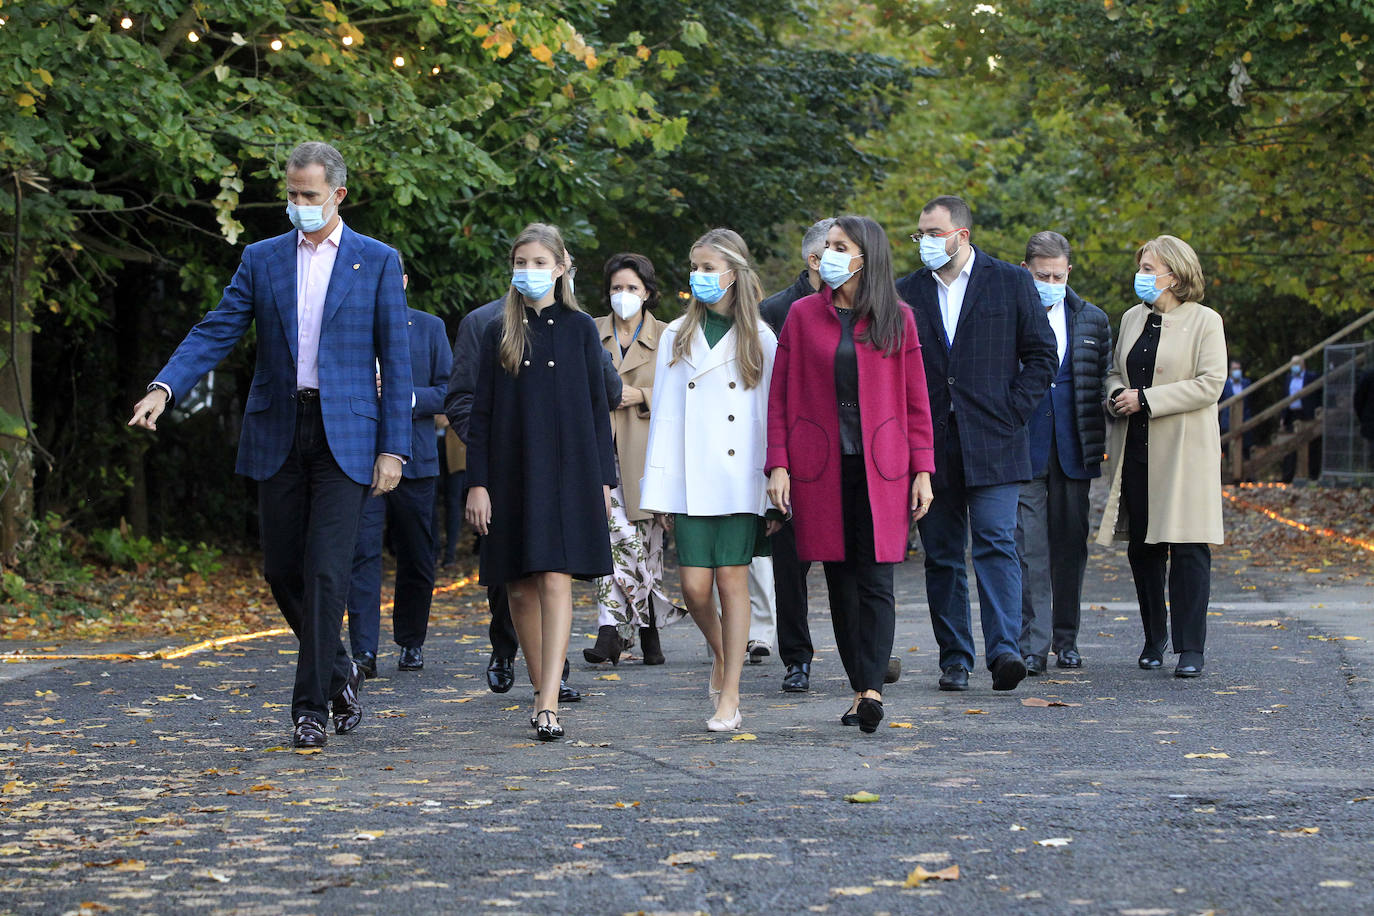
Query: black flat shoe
x=849, y=717
x=797, y=679
x=1007, y=671
x=1035, y=665
x=412, y=659
x=955, y=677
x=1068, y=658
x=500, y=673
x=870, y=713
x=608, y=646
x=548, y=728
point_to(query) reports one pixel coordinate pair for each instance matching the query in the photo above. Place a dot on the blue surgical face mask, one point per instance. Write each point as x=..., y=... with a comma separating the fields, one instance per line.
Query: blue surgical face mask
x=307, y=219
x=1235, y=374
x=1296, y=370
x=834, y=269
x=1145, y=288
x=933, y=253
x=706, y=287
x=1051, y=294
x=532, y=283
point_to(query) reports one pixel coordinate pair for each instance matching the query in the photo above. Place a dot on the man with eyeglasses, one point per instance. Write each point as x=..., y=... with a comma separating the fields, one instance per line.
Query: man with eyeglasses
x=989, y=356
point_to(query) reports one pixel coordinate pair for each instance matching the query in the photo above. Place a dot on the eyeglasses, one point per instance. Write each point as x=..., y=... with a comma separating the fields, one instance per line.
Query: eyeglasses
x=934, y=234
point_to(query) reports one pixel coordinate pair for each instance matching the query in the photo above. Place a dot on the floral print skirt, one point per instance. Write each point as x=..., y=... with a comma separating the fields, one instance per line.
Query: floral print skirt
x=632, y=595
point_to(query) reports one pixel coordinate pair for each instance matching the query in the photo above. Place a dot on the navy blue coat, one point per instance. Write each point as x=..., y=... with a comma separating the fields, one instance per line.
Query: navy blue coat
x=1071, y=411
x=1003, y=358
x=430, y=363
x=540, y=442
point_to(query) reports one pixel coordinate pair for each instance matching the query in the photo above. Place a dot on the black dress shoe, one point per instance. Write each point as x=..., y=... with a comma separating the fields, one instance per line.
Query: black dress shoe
x=1007, y=671
x=955, y=677
x=567, y=694
x=608, y=646
x=870, y=714
x=1150, y=659
x=1068, y=658
x=500, y=673
x=797, y=679
x=894, y=670
x=309, y=733
x=412, y=658
x=347, y=705
x=1189, y=665
x=367, y=661
x=1035, y=665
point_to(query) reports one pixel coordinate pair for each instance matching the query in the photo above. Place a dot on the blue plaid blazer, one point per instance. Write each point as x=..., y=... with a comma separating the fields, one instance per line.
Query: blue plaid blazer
x=999, y=367
x=364, y=321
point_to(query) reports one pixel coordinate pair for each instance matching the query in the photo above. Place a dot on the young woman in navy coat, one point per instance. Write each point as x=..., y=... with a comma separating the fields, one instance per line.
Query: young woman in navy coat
x=540, y=459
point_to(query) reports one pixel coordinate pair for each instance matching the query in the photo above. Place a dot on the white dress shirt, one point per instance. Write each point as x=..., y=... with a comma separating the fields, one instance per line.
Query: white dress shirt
x=314, y=264
x=952, y=295
x=1058, y=314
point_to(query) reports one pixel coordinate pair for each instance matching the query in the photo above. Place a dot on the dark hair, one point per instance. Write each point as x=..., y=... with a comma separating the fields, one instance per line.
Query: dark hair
x=876, y=296
x=643, y=268
x=959, y=213
x=1048, y=244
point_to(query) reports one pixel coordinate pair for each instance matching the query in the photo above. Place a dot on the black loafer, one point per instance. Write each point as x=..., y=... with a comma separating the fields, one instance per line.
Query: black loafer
x=500, y=673
x=567, y=694
x=894, y=670
x=797, y=679
x=346, y=706
x=367, y=661
x=870, y=714
x=1035, y=665
x=1007, y=671
x=1068, y=658
x=308, y=733
x=955, y=677
x=412, y=659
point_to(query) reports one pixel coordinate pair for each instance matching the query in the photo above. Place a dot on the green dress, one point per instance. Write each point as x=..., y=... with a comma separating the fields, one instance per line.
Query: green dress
x=710, y=541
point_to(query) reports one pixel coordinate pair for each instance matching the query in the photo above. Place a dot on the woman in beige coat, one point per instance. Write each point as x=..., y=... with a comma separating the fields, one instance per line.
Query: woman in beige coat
x=1165, y=449
x=632, y=597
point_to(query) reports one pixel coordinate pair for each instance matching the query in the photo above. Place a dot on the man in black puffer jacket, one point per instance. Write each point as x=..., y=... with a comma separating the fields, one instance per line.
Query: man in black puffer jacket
x=1068, y=434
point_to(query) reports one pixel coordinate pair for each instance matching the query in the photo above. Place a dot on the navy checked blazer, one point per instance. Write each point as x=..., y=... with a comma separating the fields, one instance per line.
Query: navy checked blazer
x=1003, y=358
x=431, y=361
x=364, y=323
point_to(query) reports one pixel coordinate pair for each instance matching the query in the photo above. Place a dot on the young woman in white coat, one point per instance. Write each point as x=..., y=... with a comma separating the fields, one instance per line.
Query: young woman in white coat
x=711, y=388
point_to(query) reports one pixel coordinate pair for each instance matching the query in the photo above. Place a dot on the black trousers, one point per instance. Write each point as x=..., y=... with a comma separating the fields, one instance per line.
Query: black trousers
x=1189, y=574
x=408, y=511
x=789, y=582
x=501, y=630
x=308, y=515
x=862, y=605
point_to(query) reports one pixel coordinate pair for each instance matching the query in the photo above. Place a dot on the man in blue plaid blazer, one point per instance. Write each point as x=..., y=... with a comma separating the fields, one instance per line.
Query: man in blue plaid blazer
x=330, y=313
x=989, y=356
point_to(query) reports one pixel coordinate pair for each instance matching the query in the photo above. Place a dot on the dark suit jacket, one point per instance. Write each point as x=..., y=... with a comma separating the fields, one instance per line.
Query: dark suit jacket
x=774, y=309
x=364, y=325
x=430, y=363
x=1003, y=358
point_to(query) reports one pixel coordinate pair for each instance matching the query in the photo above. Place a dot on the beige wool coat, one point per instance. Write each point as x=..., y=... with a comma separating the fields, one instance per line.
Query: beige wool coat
x=1185, y=440
x=630, y=425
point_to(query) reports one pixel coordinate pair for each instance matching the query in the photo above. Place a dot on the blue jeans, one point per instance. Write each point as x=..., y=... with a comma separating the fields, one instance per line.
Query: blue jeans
x=990, y=514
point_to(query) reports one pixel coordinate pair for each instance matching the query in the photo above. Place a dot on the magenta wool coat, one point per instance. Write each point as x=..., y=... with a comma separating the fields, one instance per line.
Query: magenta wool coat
x=804, y=429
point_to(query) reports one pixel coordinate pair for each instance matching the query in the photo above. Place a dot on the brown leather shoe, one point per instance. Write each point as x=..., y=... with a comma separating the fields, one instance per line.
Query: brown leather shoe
x=309, y=733
x=347, y=706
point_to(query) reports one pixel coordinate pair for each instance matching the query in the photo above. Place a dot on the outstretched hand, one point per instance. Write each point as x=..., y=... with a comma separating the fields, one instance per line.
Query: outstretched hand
x=148, y=409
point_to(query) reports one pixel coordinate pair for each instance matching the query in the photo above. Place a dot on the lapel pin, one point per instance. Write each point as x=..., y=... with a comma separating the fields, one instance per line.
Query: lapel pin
x=356, y=266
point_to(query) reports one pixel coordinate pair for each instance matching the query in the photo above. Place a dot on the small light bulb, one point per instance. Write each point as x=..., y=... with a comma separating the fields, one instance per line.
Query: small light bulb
x=2, y=21
x=347, y=40
x=126, y=23
x=276, y=44
x=434, y=72
x=399, y=61
x=192, y=37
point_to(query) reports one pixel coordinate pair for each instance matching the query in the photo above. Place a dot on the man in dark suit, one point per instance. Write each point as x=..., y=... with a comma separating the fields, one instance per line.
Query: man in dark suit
x=1068, y=436
x=410, y=510
x=330, y=310
x=989, y=356
x=1304, y=408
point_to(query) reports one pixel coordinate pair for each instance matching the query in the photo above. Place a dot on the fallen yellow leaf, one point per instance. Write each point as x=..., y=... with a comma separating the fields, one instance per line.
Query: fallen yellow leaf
x=919, y=876
x=861, y=798
x=1216, y=756
x=746, y=736
x=608, y=677
x=975, y=712
x=851, y=891
x=900, y=725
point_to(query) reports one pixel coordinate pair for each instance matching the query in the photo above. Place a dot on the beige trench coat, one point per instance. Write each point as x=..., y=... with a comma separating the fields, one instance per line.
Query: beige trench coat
x=630, y=425
x=1185, y=440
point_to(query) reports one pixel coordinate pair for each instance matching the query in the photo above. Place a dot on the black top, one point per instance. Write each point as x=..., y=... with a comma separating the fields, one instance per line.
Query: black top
x=847, y=386
x=1140, y=368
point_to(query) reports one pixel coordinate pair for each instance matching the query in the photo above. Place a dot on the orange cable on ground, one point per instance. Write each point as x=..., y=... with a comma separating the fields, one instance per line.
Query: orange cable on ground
x=1321, y=532
x=203, y=645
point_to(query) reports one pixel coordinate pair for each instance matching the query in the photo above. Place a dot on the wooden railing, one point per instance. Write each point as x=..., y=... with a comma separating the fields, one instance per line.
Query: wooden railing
x=1237, y=466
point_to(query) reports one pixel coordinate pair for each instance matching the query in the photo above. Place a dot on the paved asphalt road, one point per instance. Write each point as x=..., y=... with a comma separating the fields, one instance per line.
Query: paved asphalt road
x=165, y=787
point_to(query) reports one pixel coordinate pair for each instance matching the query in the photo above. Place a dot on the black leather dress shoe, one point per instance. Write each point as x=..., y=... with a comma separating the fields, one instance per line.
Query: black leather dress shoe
x=797, y=679
x=347, y=706
x=894, y=670
x=412, y=658
x=955, y=677
x=1007, y=671
x=1150, y=659
x=567, y=694
x=500, y=673
x=870, y=713
x=1068, y=658
x=309, y=733
x=367, y=661
x=1035, y=665
x=1189, y=665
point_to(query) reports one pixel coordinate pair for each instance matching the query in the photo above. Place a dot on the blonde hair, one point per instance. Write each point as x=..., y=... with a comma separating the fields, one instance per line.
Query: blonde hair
x=514, y=332
x=1181, y=261
x=743, y=297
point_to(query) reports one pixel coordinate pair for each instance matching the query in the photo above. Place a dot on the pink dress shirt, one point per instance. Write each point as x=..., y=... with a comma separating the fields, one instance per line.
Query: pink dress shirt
x=314, y=264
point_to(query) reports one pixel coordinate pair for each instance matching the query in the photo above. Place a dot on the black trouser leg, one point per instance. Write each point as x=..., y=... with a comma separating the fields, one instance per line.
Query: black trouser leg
x=1067, y=505
x=501, y=631
x=1148, y=561
x=1190, y=586
x=862, y=605
x=410, y=509
x=789, y=582
x=308, y=514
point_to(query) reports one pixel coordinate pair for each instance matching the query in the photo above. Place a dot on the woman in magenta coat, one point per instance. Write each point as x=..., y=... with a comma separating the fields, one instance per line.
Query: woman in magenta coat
x=850, y=447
